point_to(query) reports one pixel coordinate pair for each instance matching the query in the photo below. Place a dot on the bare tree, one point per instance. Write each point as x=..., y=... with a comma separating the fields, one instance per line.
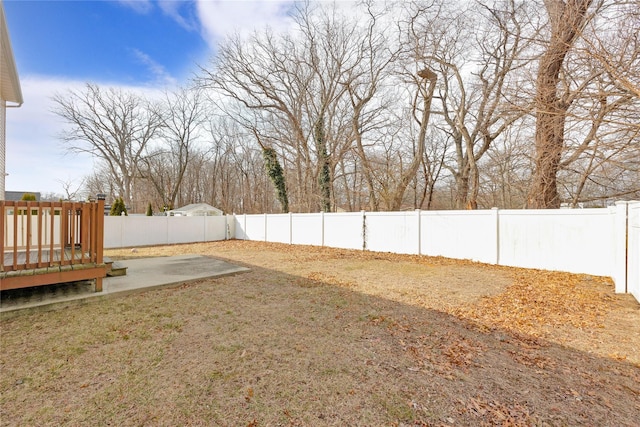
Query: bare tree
x=182, y=115
x=600, y=134
x=300, y=93
x=609, y=166
x=595, y=111
x=507, y=168
x=566, y=19
x=432, y=168
x=266, y=85
x=101, y=182
x=113, y=125
x=367, y=80
x=72, y=190
x=614, y=41
x=426, y=87
x=478, y=51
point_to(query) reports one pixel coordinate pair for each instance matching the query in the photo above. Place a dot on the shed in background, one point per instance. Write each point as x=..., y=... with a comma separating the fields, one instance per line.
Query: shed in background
x=196, y=209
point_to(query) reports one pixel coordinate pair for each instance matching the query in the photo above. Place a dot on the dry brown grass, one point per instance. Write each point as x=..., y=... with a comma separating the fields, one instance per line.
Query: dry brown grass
x=317, y=336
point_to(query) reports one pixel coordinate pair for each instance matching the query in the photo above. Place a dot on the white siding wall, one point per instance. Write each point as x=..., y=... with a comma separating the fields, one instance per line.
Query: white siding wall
x=2, y=146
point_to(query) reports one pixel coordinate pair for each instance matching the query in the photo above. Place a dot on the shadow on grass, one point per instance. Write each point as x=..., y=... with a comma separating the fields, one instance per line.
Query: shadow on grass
x=50, y=293
x=269, y=348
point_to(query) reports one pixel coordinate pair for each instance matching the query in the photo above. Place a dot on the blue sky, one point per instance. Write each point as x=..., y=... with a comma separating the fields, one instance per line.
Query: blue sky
x=140, y=45
x=106, y=40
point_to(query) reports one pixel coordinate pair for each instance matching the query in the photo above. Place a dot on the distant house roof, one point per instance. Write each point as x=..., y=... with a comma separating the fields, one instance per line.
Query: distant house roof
x=9, y=82
x=14, y=196
x=196, y=209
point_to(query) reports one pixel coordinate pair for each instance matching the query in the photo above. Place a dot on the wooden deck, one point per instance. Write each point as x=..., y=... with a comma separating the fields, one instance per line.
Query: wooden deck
x=51, y=242
x=27, y=258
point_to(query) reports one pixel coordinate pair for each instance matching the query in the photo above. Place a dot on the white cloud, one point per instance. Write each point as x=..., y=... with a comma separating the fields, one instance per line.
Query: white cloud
x=172, y=8
x=162, y=76
x=36, y=159
x=175, y=10
x=222, y=18
x=140, y=6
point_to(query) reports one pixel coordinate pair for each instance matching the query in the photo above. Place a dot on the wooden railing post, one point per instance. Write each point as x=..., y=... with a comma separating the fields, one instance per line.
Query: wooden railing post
x=39, y=231
x=64, y=221
x=3, y=230
x=52, y=231
x=15, y=237
x=99, y=241
x=27, y=242
x=67, y=246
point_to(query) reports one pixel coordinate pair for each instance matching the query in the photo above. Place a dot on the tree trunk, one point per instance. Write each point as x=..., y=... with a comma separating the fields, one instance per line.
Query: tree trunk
x=274, y=170
x=567, y=19
x=462, y=189
x=324, y=165
x=427, y=93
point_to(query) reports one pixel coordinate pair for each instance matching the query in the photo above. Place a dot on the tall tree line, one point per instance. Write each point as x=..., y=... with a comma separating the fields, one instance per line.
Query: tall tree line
x=386, y=106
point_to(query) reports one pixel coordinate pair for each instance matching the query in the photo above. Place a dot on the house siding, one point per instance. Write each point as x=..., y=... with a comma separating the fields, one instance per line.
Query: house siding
x=2, y=147
x=10, y=90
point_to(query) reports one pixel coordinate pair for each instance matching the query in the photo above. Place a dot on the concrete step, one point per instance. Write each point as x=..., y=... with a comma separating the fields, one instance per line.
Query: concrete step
x=114, y=268
x=117, y=269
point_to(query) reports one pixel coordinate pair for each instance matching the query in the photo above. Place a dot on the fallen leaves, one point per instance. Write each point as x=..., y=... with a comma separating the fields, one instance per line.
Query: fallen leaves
x=441, y=352
x=493, y=370
x=539, y=300
x=497, y=413
x=330, y=279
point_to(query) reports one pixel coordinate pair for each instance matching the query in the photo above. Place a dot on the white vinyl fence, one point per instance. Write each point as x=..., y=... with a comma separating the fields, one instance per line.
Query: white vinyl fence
x=589, y=241
x=130, y=231
x=633, y=252
x=578, y=241
x=603, y=242
x=21, y=229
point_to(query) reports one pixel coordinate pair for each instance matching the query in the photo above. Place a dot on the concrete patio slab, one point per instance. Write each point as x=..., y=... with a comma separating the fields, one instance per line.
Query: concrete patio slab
x=142, y=274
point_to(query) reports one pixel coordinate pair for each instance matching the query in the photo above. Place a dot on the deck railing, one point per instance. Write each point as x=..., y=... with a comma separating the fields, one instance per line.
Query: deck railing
x=53, y=240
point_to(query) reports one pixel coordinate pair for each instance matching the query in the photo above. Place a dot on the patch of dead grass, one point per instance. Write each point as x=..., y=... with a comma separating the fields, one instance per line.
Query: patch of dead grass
x=318, y=336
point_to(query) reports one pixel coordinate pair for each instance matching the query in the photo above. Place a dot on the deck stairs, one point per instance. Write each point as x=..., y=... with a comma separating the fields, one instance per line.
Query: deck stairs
x=114, y=268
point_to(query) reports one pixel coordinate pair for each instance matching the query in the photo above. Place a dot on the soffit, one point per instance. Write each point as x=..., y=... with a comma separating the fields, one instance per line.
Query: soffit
x=9, y=81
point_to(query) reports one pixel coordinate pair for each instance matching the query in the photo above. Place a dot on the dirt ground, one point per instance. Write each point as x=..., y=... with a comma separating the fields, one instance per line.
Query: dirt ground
x=318, y=337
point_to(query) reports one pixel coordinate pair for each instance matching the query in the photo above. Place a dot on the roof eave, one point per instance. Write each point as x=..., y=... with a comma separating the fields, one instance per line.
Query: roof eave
x=11, y=90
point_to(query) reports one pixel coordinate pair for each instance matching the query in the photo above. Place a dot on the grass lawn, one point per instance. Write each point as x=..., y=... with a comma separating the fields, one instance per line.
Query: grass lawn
x=318, y=336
